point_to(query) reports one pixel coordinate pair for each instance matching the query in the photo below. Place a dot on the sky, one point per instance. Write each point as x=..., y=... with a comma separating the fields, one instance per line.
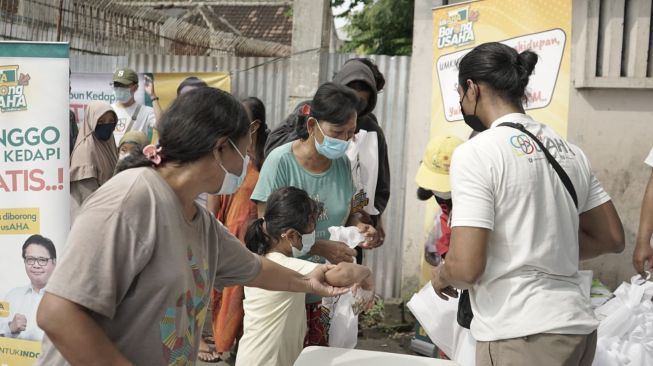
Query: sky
x=341, y=22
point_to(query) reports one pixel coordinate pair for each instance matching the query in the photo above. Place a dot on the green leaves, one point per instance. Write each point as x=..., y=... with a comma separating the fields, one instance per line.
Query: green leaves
x=383, y=27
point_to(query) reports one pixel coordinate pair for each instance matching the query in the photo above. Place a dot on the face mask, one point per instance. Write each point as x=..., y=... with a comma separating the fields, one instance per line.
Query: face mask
x=330, y=147
x=123, y=155
x=472, y=120
x=442, y=195
x=122, y=94
x=307, y=243
x=103, y=132
x=231, y=181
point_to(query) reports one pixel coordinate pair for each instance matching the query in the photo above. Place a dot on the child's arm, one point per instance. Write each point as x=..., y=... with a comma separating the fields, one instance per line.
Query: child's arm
x=349, y=274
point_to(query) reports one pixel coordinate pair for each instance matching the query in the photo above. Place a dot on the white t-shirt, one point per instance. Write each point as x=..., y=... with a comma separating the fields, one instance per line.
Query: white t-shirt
x=501, y=181
x=23, y=300
x=145, y=121
x=275, y=321
x=649, y=159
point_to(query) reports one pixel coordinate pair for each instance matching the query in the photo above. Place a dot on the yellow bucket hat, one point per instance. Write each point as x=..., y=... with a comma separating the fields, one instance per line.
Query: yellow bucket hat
x=433, y=173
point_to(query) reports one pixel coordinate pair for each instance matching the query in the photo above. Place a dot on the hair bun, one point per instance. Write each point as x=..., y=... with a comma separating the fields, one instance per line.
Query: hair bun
x=527, y=60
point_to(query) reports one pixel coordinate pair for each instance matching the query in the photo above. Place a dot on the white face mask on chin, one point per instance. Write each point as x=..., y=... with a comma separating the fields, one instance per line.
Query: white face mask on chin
x=231, y=181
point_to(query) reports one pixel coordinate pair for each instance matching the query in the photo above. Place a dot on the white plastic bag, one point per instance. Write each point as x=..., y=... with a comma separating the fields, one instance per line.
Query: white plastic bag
x=438, y=318
x=343, y=330
x=625, y=334
x=343, y=326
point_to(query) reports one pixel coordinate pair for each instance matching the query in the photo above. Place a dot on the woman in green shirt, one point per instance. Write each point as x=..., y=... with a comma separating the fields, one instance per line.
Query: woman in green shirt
x=316, y=163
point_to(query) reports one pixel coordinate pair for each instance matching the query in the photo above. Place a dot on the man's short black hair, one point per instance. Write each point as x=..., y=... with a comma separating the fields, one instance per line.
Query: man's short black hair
x=42, y=241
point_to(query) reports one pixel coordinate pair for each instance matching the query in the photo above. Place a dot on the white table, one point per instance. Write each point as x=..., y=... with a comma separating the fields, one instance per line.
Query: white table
x=330, y=356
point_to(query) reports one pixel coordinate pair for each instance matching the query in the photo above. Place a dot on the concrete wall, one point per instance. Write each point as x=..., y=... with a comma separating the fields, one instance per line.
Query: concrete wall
x=614, y=127
x=417, y=136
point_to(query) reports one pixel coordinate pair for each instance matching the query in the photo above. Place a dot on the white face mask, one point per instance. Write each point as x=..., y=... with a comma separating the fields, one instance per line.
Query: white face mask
x=231, y=181
x=122, y=94
x=123, y=155
x=442, y=195
x=308, y=240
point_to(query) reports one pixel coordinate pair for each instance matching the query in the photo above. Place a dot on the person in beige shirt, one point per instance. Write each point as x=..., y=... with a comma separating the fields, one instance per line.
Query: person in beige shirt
x=133, y=284
x=94, y=156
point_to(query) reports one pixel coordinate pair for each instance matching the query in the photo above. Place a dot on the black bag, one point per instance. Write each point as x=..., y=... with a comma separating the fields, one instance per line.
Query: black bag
x=465, y=314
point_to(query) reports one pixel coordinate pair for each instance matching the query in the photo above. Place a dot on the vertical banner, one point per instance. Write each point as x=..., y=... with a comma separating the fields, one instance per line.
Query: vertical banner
x=34, y=186
x=543, y=27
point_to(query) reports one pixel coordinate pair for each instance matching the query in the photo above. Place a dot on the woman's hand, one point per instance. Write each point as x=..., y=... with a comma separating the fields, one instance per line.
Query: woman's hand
x=318, y=284
x=363, y=293
x=381, y=230
x=334, y=251
x=371, y=236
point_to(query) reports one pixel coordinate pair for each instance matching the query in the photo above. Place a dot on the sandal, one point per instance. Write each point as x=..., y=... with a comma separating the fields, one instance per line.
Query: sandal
x=208, y=356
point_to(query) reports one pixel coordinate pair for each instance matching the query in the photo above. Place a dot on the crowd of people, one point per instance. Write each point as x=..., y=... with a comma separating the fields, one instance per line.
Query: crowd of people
x=201, y=213
x=190, y=215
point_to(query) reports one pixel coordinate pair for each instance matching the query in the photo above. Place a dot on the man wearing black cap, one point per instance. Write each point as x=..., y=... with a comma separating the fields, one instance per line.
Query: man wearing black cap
x=131, y=115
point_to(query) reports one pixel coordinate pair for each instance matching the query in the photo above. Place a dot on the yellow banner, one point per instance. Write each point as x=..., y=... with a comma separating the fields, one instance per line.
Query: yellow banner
x=18, y=352
x=14, y=221
x=544, y=27
x=165, y=84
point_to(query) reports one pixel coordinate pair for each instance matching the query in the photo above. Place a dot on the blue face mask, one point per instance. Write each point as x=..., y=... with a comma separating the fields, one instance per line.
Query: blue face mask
x=330, y=147
x=308, y=240
x=122, y=94
x=103, y=132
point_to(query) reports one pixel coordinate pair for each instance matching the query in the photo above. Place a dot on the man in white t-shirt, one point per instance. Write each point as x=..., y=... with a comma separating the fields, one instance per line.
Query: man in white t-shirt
x=517, y=232
x=40, y=258
x=132, y=116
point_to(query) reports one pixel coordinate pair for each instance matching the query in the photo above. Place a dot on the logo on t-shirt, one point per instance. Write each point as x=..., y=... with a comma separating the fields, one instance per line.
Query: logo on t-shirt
x=322, y=207
x=359, y=201
x=121, y=124
x=522, y=145
x=12, y=89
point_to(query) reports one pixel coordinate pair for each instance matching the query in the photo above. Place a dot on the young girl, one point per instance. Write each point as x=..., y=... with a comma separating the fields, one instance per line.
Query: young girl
x=275, y=321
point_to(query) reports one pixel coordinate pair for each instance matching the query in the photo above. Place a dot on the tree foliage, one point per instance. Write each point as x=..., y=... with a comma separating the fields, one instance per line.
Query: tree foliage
x=382, y=27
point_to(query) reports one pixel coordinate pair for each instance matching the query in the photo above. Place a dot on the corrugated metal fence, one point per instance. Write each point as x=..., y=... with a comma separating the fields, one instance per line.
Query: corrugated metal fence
x=267, y=79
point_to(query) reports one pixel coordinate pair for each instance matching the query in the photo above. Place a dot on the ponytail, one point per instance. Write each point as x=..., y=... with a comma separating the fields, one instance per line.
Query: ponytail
x=256, y=240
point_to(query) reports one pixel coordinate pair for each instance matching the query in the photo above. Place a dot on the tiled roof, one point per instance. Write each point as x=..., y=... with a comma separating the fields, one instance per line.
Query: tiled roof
x=272, y=23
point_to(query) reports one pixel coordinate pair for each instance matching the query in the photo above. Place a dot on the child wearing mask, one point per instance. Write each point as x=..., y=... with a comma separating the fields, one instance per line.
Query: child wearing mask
x=275, y=321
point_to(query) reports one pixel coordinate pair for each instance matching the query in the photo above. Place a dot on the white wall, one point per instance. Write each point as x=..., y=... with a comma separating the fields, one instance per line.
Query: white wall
x=417, y=136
